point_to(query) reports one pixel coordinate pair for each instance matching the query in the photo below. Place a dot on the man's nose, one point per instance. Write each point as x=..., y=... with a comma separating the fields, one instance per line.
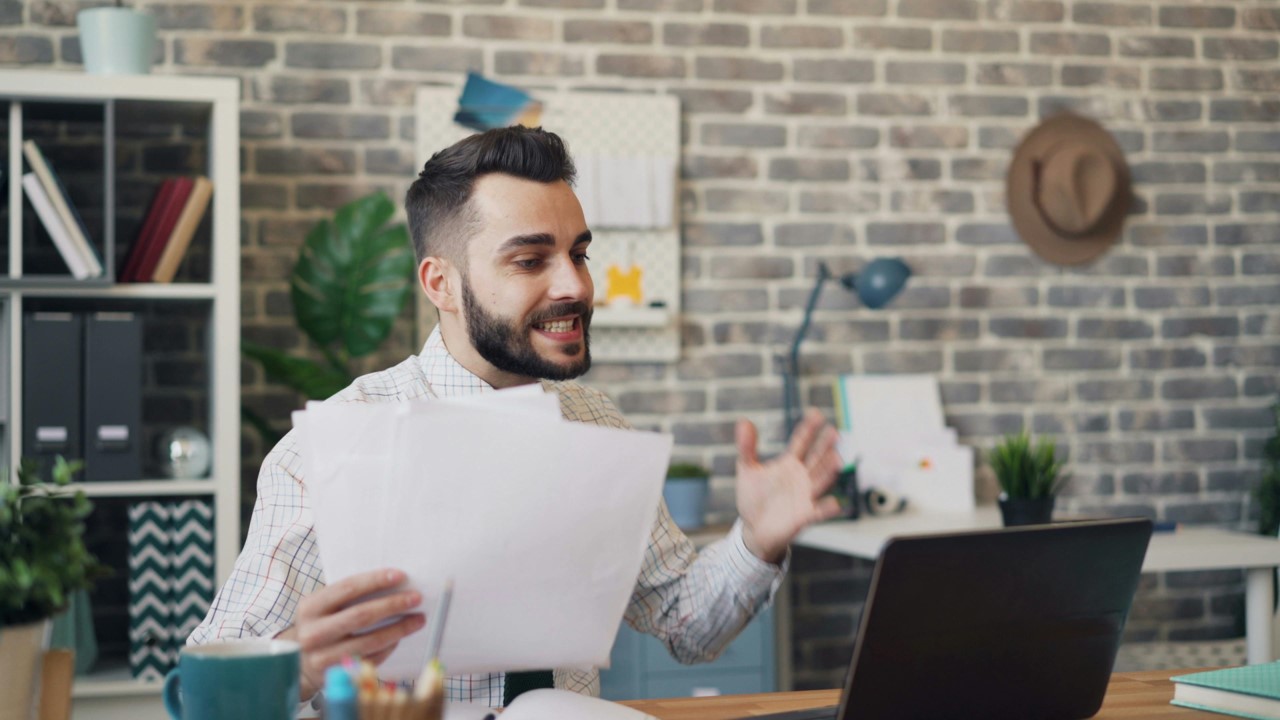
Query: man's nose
x=571, y=282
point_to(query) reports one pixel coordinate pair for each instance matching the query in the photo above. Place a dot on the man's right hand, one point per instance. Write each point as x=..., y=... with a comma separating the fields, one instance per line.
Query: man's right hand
x=327, y=621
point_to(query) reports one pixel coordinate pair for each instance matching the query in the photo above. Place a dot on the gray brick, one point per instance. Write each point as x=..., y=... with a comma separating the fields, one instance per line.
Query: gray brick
x=664, y=402
x=1266, y=80
x=820, y=201
x=750, y=268
x=1198, y=388
x=546, y=64
x=1186, y=78
x=980, y=41
x=727, y=68
x=1111, y=14
x=662, y=6
x=980, y=233
x=706, y=34
x=329, y=195
x=929, y=137
x=872, y=103
x=1197, y=16
x=436, y=59
x=811, y=169
x=263, y=196
x=938, y=329
x=1247, y=356
x=1267, y=385
x=826, y=70
x=918, y=296
x=934, y=264
x=302, y=89
x=390, y=161
x=1025, y=11
x=1248, y=141
x=1261, y=18
x=304, y=161
x=1166, y=483
x=1267, y=323
x=1246, y=234
x=1193, y=204
x=1098, y=329
x=756, y=7
x=1081, y=359
x=939, y=9
x=1193, y=141
x=1209, y=326
x=1199, y=450
x=720, y=366
x=1067, y=43
x=879, y=233
x=1170, y=297
x=699, y=167
x=713, y=100
x=332, y=55
x=187, y=17
x=722, y=234
x=1195, y=266
x=1157, y=420
x=309, y=19
x=502, y=27
x=988, y=106
x=1101, y=76
x=744, y=135
x=959, y=393
x=608, y=31
x=1260, y=264
x=970, y=425
x=1085, y=296
x=703, y=433
x=892, y=38
x=994, y=361
x=1070, y=423
x=1241, y=49
x=998, y=297
x=1168, y=235
x=1230, y=481
x=1001, y=266
x=1238, y=295
x=1022, y=392
x=564, y=4
x=902, y=361
x=1259, y=202
x=1172, y=110
x=847, y=8
x=644, y=66
x=1157, y=46
x=801, y=36
x=259, y=124
x=1167, y=358
x=813, y=234
x=804, y=103
x=716, y=301
x=1032, y=327
x=1246, y=172
x=402, y=22
x=1257, y=418
x=1115, y=452
x=912, y=72
x=1252, y=110
x=723, y=200
x=341, y=127
x=837, y=137
x=748, y=398
x=11, y=12
x=1014, y=74
x=221, y=53
x=931, y=201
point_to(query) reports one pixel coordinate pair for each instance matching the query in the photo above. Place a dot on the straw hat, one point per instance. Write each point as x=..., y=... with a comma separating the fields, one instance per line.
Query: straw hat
x=1067, y=189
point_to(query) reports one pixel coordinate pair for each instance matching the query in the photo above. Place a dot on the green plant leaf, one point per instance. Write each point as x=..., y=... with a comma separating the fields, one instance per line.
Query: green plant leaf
x=310, y=378
x=352, y=278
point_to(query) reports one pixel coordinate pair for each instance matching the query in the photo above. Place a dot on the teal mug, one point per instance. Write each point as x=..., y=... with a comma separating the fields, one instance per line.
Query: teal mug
x=244, y=680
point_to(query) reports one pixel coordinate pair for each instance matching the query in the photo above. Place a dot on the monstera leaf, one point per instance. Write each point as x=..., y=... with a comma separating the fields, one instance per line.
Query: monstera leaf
x=351, y=280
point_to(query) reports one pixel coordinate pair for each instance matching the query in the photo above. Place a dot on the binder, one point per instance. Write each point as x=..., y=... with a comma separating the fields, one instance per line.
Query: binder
x=112, y=396
x=51, y=380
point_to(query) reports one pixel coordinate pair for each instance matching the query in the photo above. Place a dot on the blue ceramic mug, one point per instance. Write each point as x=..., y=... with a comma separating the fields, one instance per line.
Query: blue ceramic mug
x=244, y=680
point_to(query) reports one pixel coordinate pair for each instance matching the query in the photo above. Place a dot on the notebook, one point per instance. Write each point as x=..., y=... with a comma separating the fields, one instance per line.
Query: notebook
x=1001, y=624
x=1252, y=691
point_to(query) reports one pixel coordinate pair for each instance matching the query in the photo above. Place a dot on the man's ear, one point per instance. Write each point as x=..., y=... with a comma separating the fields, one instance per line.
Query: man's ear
x=439, y=281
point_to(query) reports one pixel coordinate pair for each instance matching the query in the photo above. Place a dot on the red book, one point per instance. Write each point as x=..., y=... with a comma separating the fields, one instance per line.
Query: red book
x=164, y=228
x=129, y=272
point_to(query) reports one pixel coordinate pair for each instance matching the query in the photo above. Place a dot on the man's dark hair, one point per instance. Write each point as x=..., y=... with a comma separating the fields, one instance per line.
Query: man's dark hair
x=438, y=202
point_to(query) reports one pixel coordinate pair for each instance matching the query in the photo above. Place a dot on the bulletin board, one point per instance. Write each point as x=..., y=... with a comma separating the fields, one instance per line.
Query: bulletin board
x=602, y=130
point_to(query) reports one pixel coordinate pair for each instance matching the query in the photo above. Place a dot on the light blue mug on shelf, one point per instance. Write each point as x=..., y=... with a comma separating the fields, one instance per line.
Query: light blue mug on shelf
x=237, y=680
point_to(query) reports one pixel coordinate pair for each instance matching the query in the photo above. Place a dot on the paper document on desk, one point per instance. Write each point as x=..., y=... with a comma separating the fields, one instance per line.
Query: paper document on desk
x=541, y=523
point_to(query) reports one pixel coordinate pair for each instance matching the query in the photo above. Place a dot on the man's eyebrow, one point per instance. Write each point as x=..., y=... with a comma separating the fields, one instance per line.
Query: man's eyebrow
x=584, y=238
x=520, y=241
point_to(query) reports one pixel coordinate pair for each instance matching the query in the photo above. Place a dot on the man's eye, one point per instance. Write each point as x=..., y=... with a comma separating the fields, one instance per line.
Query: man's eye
x=528, y=264
x=581, y=258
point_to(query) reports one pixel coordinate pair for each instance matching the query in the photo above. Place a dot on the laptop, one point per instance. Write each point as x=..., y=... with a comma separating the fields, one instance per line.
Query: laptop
x=1012, y=623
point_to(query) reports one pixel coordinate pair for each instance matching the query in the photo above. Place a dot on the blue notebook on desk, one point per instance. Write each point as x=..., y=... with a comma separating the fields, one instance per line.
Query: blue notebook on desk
x=1252, y=691
x=1004, y=624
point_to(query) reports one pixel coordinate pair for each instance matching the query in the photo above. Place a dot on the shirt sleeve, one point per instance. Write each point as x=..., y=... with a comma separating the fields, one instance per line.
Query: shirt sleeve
x=280, y=562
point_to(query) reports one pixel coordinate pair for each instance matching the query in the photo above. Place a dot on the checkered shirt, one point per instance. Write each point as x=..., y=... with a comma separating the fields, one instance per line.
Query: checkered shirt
x=695, y=603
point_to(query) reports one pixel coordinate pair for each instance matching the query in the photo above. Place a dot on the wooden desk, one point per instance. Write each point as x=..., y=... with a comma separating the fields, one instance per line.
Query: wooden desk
x=1130, y=696
x=1188, y=549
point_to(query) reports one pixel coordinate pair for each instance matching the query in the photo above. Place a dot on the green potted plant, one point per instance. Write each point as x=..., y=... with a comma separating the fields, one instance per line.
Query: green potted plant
x=43, y=561
x=1030, y=476
x=685, y=493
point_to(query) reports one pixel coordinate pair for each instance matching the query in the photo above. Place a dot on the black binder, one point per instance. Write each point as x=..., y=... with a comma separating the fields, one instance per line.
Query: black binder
x=51, y=378
x=112, y=396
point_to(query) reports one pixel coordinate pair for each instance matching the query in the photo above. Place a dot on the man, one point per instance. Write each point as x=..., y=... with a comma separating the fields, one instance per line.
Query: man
x=502, y=254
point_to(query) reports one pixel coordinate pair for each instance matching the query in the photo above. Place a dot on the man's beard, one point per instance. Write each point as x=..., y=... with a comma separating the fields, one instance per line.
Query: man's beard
x=506, y=344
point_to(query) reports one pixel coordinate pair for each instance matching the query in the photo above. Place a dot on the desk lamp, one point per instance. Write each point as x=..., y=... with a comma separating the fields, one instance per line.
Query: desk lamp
x=878, y=283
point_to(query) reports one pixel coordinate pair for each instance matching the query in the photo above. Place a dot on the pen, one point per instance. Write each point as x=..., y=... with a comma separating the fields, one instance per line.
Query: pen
x=436, y=634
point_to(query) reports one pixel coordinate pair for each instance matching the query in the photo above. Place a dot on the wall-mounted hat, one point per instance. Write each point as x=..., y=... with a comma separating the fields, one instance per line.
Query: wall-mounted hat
x=1067, y=189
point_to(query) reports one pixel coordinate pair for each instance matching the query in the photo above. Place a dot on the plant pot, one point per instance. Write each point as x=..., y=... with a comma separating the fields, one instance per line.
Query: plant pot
x=1026, y=511
x=686, y=498
x=116, y=40
x=22, y=650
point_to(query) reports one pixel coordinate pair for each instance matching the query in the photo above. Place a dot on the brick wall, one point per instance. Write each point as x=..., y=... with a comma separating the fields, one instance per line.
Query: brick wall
x=839, y=130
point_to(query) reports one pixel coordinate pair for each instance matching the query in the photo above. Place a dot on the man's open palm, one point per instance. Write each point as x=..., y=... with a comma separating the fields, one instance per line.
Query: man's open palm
x=779, y=498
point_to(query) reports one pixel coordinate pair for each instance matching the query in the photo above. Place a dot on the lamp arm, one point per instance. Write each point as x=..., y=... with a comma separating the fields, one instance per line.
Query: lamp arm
x=791, y=390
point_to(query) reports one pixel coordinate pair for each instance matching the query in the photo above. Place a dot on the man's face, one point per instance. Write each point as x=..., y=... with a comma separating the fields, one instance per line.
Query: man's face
x=526, y=291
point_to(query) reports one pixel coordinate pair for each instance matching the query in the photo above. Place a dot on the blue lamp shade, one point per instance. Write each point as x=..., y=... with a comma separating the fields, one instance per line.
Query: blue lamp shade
x=879, y=282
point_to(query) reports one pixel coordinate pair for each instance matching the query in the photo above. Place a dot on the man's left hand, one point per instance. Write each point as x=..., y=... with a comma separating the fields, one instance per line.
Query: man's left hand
x=779, y=498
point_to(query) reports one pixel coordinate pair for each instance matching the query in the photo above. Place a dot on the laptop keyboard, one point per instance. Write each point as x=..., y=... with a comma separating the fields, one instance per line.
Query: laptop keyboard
x=821, y=713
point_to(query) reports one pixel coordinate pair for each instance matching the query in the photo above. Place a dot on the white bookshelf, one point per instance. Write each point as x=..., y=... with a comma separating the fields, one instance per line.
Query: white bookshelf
x=110, y=692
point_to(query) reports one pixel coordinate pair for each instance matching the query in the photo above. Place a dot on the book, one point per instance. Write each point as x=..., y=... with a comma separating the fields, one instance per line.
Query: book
x=1251, y=691
x=546, y=703
x=175, y=248
x=168, y=219
x=128, y=271
x=53, y=225
x=71, y=221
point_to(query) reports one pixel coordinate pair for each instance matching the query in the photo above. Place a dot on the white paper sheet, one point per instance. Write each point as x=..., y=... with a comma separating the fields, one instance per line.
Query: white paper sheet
x=542, y=524
x=625, y=191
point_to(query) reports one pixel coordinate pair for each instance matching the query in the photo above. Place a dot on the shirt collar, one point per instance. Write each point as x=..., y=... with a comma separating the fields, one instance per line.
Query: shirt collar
x=445, y=375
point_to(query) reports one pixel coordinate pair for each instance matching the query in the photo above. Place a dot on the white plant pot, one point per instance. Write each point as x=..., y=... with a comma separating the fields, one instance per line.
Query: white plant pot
x=22, y=650
x=116, y=40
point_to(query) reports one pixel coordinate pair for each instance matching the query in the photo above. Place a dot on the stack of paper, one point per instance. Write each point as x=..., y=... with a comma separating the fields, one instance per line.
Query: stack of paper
x=541, y=523
x=893, y=429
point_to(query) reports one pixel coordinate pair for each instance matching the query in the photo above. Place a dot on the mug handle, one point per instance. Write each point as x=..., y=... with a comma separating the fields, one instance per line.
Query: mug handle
x=172, y=696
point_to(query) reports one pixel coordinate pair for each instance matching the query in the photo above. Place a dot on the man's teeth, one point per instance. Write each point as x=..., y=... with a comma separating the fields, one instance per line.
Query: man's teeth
x=557, y=326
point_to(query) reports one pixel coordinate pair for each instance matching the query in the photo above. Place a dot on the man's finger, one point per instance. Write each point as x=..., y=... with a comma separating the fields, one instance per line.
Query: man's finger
x=324, y=631
x=381, y=641
x=331, y=598
x=745, y=434
x=803, y=436
x=825, y=509
x=818, y=452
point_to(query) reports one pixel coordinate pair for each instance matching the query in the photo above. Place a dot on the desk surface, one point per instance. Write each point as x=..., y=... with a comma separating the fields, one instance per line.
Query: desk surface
x=1187, y=549
x=1130, y=696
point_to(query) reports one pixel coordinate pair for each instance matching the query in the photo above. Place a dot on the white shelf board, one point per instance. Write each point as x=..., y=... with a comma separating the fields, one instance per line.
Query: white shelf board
x=143, y=291
x=40, y=86
x=146, y=488
x=645, y=317
x=113, y=681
